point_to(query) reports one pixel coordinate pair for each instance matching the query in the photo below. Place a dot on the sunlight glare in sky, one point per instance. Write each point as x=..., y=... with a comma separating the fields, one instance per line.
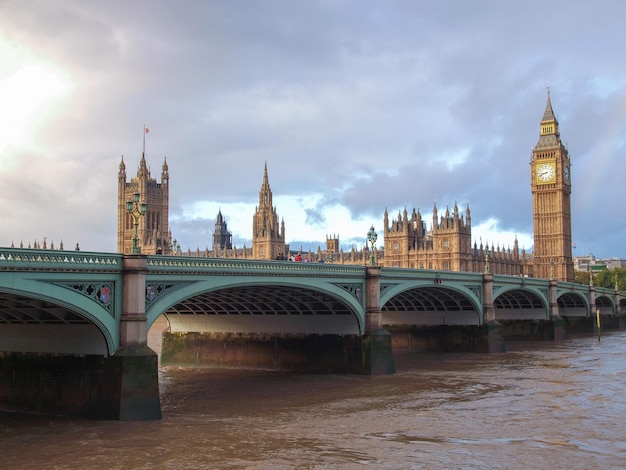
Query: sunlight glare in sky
x=27, y=87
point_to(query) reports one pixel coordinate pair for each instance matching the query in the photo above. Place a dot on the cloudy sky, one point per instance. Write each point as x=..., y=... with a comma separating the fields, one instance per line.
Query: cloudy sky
x=355, y=105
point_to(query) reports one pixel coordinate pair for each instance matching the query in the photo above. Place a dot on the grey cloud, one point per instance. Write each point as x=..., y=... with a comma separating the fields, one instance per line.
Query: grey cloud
x=360, y=101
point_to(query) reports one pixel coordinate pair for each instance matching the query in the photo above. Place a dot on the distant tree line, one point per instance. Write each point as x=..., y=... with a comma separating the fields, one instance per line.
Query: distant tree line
x=604, y=278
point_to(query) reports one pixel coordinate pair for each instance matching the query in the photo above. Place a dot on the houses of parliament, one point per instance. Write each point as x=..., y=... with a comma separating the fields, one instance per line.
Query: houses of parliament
x=409, y=241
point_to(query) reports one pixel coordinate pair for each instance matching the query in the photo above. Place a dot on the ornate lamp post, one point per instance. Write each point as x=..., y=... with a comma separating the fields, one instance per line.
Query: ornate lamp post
x=371, y=237
x=175, y=247
x=136, y=211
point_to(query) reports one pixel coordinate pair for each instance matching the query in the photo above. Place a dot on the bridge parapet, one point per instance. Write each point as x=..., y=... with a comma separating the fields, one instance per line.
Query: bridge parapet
x=212, y=266
x=605, y=291
x=521, y=282
x=19, y=259
x=448, y=278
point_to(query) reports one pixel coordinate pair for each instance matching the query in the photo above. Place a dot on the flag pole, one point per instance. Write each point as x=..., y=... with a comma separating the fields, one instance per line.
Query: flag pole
x=143, y=153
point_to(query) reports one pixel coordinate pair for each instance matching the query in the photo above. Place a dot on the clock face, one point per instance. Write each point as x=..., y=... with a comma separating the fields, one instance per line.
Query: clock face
x=545, y=172
x=566, y=174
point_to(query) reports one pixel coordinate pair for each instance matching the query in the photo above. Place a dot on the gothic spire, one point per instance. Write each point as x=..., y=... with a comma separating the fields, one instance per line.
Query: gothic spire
x=548, y=114
x=265, y=178
x=265, y=195
x=121, y=176
x=165, y=174
x=549, y=128
x=143, y=168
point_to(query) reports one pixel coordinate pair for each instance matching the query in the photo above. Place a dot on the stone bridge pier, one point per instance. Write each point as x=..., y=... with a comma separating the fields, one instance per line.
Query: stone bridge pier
x=98, y=385
x=494, y=336
x=377, y=344
x=135, y=365
x=557, y=322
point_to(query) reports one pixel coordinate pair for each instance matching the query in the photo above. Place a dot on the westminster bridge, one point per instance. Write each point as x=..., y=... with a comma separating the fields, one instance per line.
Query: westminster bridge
x=74, y=325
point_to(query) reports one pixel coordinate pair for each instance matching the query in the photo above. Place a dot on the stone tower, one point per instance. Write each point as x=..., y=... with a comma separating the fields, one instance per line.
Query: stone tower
x=268, y=238
x=332, y=244
x=153, y=229
x=403, y=237
x=222, y=238
x=552, y=216
x=452, y=237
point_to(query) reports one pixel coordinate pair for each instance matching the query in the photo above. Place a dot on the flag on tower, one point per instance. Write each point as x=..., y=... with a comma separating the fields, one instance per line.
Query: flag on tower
x=145, y=131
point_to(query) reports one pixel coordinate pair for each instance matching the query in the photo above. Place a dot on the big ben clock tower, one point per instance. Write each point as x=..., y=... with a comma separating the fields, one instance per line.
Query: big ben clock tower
x=552, y=216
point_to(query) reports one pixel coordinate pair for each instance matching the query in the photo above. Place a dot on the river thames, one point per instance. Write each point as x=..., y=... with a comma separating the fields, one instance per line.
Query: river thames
x=540, y=405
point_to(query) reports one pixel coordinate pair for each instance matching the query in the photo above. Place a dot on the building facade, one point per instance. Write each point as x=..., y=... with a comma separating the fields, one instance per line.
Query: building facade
x=153, y=227
x=408, y=244
x=551, y=185
x=447, y=246
x=408, y=240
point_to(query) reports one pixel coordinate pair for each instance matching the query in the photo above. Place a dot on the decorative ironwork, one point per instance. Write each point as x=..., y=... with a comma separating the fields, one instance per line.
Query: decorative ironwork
x=384, y=287
x=101, y=293
x=356, y=290
x=477, y=291
x=156, y=290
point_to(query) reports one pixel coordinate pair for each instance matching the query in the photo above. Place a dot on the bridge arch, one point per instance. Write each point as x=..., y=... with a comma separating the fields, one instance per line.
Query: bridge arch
x=262, y=305
x=520, y=303
x=573, y=303
x=43, y=317
x=422, y=303
x=605, y=303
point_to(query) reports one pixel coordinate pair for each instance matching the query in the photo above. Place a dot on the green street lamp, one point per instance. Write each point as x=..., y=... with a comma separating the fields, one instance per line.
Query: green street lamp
x=175, y=248
x=371, y=237
x=136, y=211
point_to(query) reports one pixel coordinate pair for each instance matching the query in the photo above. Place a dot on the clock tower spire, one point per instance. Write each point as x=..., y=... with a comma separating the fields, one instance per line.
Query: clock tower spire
x=551, y=189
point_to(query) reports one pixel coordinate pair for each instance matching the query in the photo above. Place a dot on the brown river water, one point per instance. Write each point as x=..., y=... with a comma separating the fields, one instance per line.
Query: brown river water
x=540, y=405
